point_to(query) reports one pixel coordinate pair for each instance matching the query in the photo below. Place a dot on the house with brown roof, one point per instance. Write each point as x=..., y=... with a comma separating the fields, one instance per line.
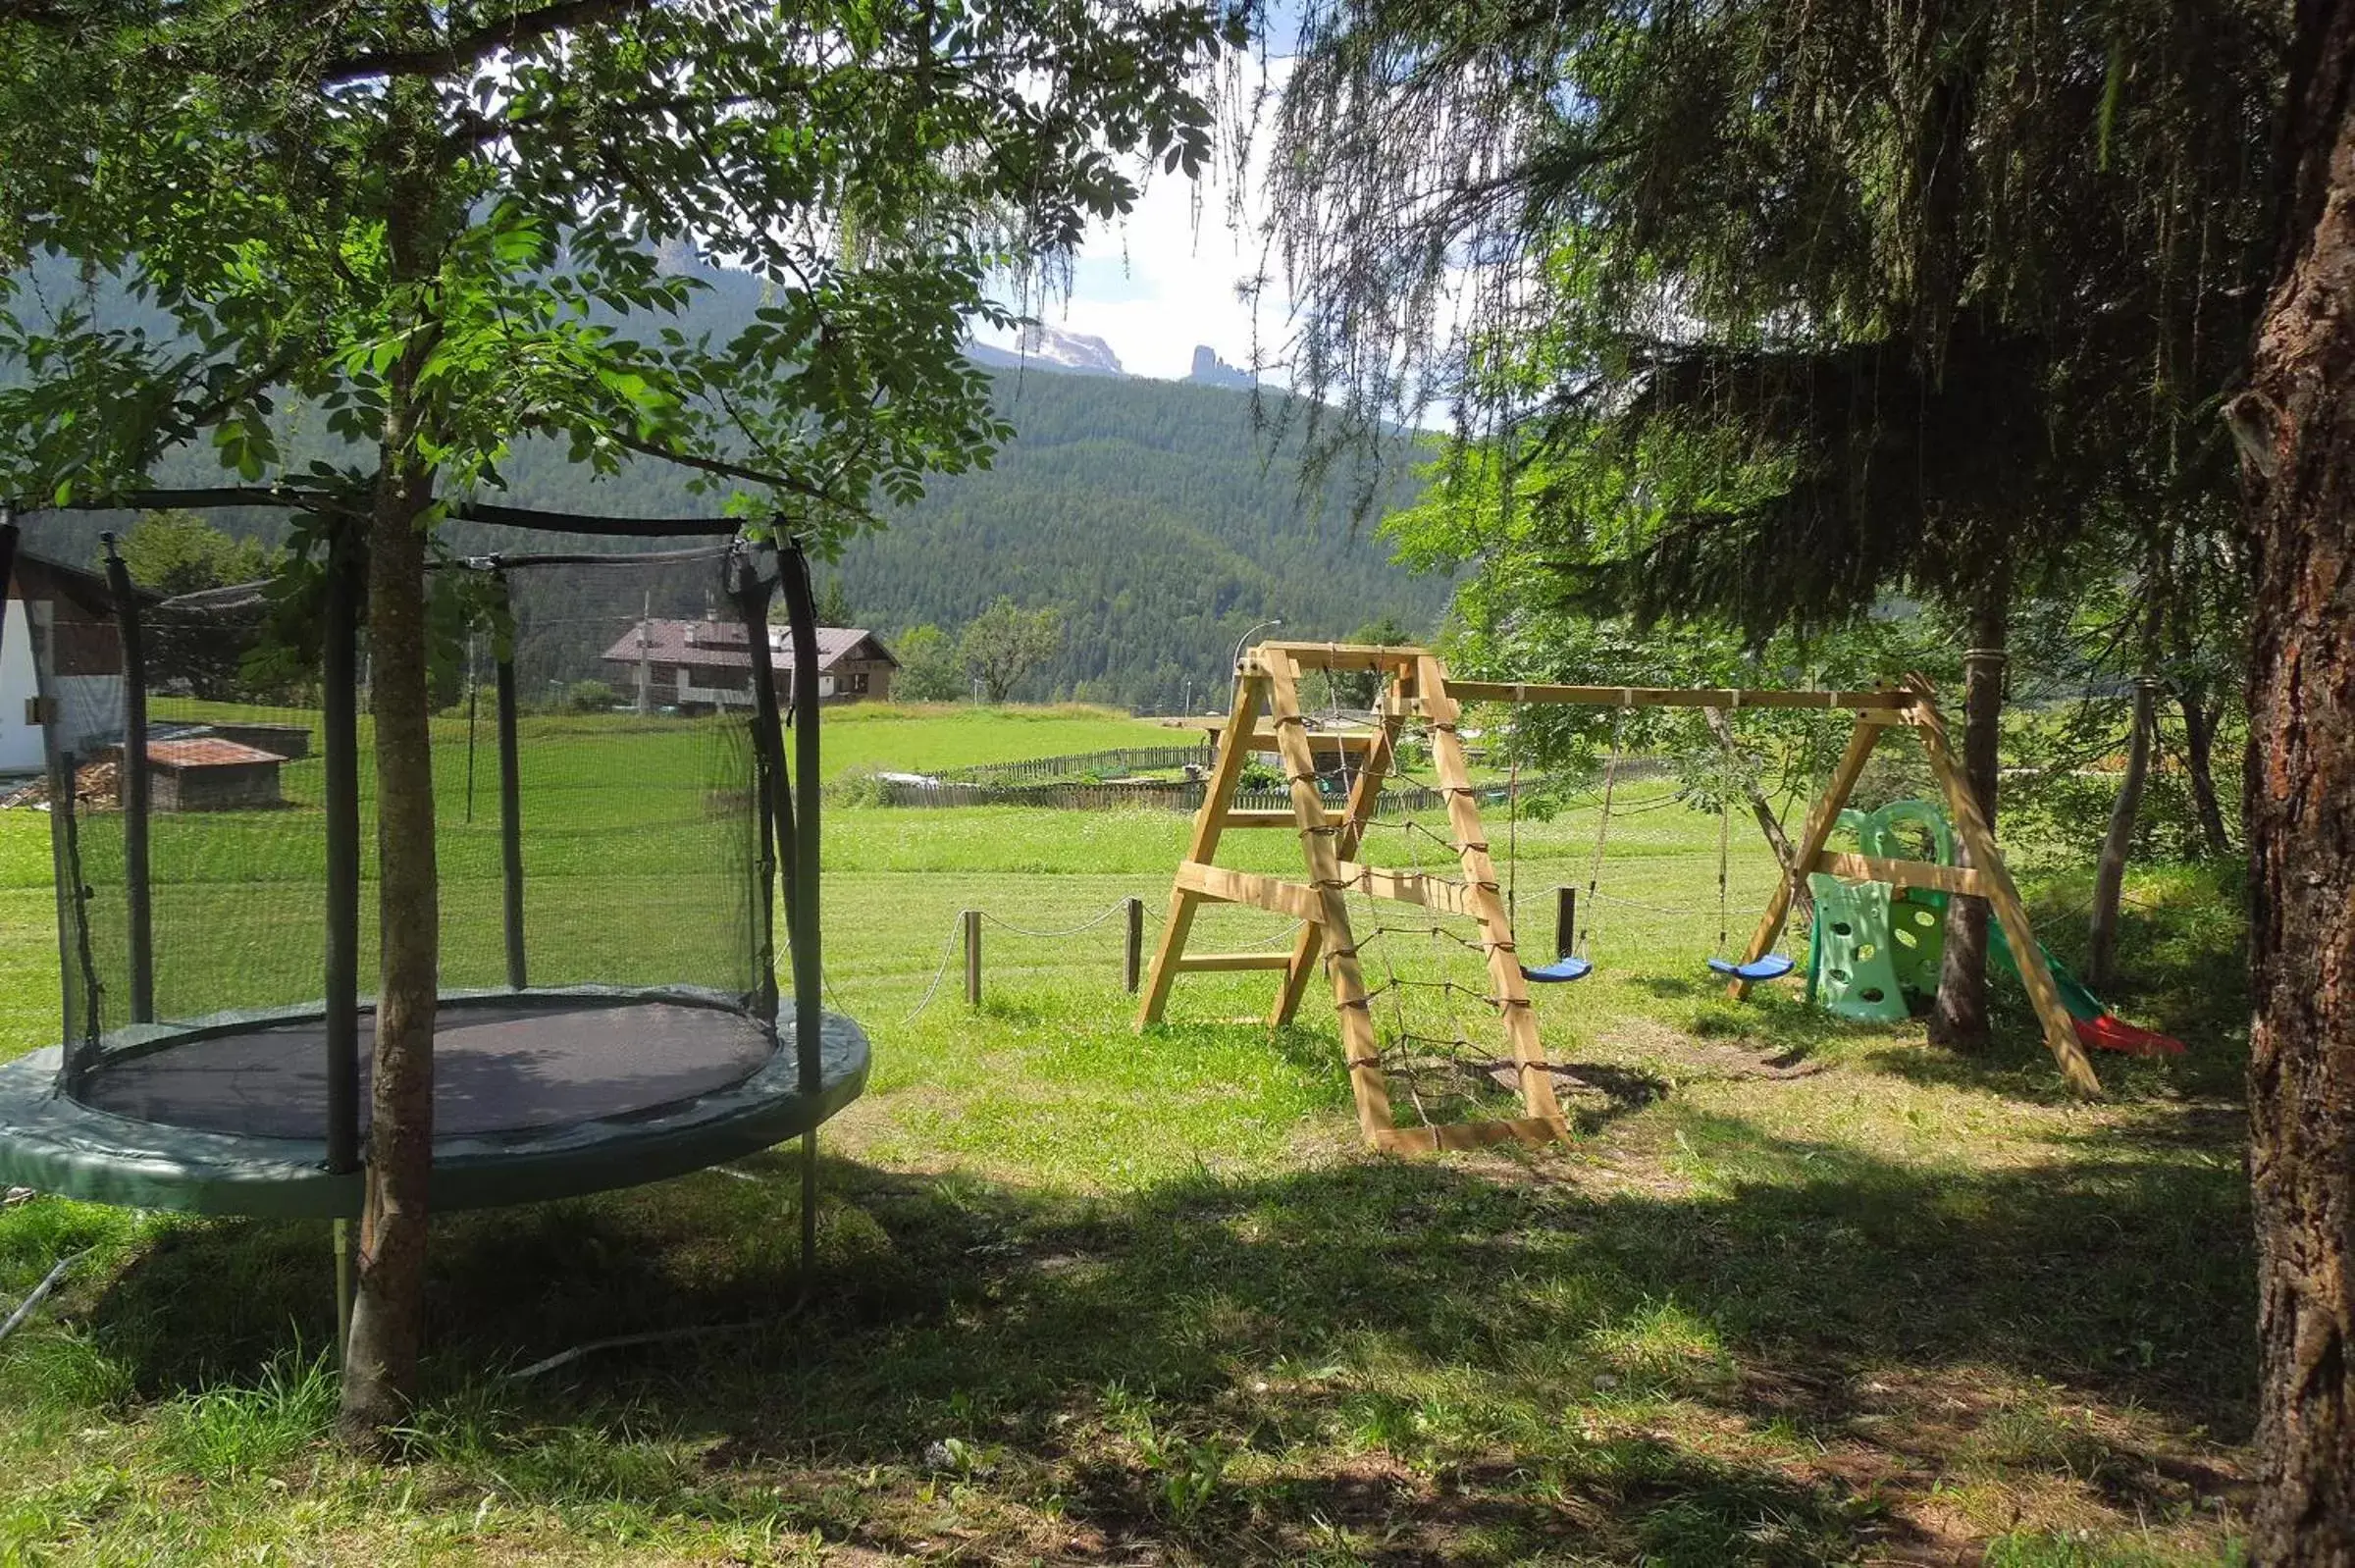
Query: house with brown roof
x=701, y=666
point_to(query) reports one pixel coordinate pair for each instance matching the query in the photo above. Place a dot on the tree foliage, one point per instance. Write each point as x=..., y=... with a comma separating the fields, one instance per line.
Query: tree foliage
x=1789, y=303
x=929, y=667
x=1004, y=644
x=870, y=165
x=177, y=551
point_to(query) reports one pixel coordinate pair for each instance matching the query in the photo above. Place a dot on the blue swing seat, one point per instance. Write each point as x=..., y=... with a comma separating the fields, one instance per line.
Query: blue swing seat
x=1773, y=967
x=1558, y=970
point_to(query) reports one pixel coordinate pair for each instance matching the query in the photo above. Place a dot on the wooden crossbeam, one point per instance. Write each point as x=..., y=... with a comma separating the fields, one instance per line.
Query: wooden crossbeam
x=1204, y=962
x=1902, y=873
x=1440, y=893
x=1460, y=1135
x=1887, y=702
x=1343, y=655
x=1222, y=886
x=1263, y=820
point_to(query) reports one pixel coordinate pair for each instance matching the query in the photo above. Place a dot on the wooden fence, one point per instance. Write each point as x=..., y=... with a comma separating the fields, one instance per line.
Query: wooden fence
x=1041, y=769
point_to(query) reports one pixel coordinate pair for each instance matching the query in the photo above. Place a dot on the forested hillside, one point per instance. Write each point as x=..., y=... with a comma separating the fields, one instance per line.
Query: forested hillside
x=1157, y=515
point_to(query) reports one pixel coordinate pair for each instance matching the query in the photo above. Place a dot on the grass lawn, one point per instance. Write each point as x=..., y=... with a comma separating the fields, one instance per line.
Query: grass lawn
x=1802, y=1292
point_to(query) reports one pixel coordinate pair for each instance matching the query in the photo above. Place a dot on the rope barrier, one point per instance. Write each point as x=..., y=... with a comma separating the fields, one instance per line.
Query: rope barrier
x=948, y=950
x=1049, y=936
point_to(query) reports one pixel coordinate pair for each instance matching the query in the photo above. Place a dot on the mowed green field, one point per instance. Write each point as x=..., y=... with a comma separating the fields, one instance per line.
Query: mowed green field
x=1801, y=1292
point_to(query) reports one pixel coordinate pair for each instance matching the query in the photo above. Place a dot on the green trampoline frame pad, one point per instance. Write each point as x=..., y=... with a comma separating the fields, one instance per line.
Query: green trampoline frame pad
x=52, y=1143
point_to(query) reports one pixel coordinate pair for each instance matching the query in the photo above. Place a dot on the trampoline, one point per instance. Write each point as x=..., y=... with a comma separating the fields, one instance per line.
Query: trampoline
x=609, y=880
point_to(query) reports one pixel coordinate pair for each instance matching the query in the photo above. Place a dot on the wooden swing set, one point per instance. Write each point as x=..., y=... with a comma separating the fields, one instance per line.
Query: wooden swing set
x=1418, y=691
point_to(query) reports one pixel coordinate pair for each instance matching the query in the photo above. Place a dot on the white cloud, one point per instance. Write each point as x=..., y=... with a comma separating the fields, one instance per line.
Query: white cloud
x=1164, y=278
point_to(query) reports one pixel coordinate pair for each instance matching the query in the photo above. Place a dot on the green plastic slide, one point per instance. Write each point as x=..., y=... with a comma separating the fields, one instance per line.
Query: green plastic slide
x=2083, y=1004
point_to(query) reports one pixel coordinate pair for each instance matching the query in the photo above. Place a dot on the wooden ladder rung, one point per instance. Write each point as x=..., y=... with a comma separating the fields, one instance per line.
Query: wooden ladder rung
x=1259, y=820
x=1245, y=887
x=1195, y=963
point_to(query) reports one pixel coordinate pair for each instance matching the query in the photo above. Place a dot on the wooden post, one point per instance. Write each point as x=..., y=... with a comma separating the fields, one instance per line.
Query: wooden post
x=1363, y=792
x=2002, y=897
x=1565, y=920
x=1361, y=1050
x=973, y=958
x=1481, y=895
x=1133, y=965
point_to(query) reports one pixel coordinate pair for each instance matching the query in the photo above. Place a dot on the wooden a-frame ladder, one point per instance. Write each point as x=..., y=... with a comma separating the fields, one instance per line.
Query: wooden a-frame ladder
x=1268, y=683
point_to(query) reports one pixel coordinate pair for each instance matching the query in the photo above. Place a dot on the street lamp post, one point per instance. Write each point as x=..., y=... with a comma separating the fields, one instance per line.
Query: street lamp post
x=1246, y=637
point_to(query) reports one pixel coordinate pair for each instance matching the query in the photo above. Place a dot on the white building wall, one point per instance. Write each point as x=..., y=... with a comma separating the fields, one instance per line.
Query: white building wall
x=19, y=742
x=89, y=706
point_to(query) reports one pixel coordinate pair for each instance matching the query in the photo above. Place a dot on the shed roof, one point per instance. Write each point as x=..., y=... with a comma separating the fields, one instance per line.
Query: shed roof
x=206, y=751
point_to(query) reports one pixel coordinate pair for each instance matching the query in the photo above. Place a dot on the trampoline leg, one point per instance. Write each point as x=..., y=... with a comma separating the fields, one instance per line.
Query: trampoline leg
x=346, y=1284
x=809, y=1206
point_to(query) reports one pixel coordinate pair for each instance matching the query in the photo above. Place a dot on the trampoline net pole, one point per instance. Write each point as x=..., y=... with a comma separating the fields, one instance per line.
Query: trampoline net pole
x=339, y=725
x=80, y=980
x=809, y=973
x=800, y=614
x=135, y=788
x=753, y=591
x=510, y=817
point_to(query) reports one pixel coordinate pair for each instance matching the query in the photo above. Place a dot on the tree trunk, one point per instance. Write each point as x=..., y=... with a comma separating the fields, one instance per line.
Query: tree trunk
x=2110, y=876
x=1803, y=902
x=2296, y=428
x=2199, y=761
x=387, y=1320
x=1958, y=1020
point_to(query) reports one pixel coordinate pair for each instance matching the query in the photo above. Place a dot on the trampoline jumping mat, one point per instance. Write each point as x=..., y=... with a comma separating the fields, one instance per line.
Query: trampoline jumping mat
x=500, y=1067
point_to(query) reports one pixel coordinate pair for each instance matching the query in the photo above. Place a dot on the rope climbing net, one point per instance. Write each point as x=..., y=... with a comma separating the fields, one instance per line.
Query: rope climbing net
x=1430, y=991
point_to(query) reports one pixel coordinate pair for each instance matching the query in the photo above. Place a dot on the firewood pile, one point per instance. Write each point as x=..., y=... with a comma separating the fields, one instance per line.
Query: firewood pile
x=97, y=787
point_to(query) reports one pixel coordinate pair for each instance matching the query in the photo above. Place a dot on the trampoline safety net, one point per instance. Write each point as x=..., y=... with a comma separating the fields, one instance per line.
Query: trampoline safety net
x=595, y=780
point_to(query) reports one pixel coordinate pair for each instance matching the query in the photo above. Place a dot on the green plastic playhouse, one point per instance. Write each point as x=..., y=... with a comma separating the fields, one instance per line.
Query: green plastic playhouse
x=1875, y=951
